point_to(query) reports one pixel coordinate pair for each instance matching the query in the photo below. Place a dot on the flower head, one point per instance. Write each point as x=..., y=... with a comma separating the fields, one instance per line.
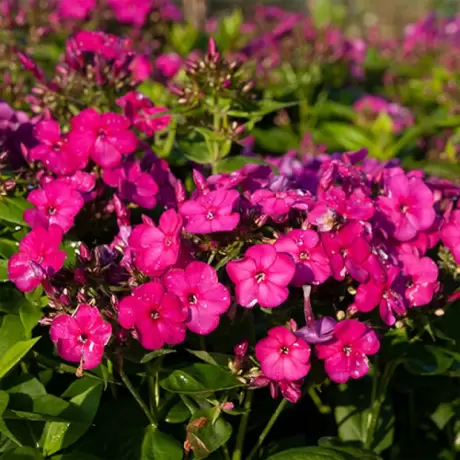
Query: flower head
x=106, y=138
x=157, y=248
x=407, y=206
x=283, y=356
x=81, y=338
x=312, y=263
x=157, y=316
x=39, y=256
x=54, y=150
x=133, y=184
x=346, y=355
x=262, y=276
x=199, y=289
x=211, y=213
x=56, y=203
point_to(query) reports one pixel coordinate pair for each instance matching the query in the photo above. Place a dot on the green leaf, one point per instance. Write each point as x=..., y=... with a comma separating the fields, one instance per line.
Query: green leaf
x=206, y=434
x=160, y=446
x=4, y=399
x=23, y=453
x=443, y=413
x=178, y=413
x=347, y=136
x=156, y=354
x=433, y=168
x=14, y=354
x=199, y=379
x=12, y=209
x=229, y=165
x=196, y=151
x=3, y=271
x=11, y=331
x=265, y=107
x=7, y=248
x=183, y=37
x=30, y=315
x=56, y=436
x=216, y=359
x=276, y=140
x=354, y=452
x=309, y=453
x=427, y=360
x=74, y=456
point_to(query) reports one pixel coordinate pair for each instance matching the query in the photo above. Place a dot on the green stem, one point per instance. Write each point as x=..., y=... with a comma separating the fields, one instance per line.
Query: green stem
x=136, y=396
x=225, y=452
x=267, y=429
x=317, y=400
x=238, y=452
x=378, y=398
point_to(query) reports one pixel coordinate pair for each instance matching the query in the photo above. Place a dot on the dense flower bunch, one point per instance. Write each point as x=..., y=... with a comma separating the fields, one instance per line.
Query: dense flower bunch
x=250, y=238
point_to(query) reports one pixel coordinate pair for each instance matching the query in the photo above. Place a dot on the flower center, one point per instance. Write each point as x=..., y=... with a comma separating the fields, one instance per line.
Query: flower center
x=57, y=147
x=168, y=241
x=154, y=315
x=101, y=134
x=51, y=210
x=210, y=215
x=403, y=208
x=191, y=298
x=284, y=350
x=304, y=256
x=347, y=349
x=83, y=338
x=260, y=277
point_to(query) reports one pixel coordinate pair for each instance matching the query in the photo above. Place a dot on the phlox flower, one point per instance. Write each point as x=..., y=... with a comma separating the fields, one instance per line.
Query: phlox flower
x=157, y=316
x=76, y=9
x=212, y=212
x=56, y=203
x=168, y=64
x=81, y=338
x=346, y=354
x=199, y=289
x=306, y=249
x=283, y=356
x=407, y=206
x=261, y=276
x=157, y=248
x=54, y=151
x=39, y=256
x=105, y=137
x=450, y=234
x=389, y=296
x=133, y=184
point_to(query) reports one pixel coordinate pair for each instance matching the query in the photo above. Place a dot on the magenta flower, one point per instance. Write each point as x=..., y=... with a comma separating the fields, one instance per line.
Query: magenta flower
x=168, y=64
x=81, y=338
x=76, y=9
x=157, y=316
x=133, y=184
x=56, y=203
x=312, y=263
x=450, y=234
x=407, y=207
x=348, y=251
x=143, y=114
x=389, y=296
x=54, y=151
x=106, y=138
x=424, y=273
x=262, y=276
x=345, y=356
x=39, y=256
x=157, y=248
x=283, y=356
x=322, y=330
x=199, y=289
x=129, y=12
x=211, y=213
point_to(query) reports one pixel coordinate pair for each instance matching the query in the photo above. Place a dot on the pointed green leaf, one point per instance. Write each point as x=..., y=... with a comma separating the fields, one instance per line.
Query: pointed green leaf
x=160, y=446
x=13, y=355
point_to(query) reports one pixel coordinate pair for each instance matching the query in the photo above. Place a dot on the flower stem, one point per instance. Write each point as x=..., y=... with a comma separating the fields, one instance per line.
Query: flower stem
x=237, y=453
x=136, y=396
x=267, y=429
